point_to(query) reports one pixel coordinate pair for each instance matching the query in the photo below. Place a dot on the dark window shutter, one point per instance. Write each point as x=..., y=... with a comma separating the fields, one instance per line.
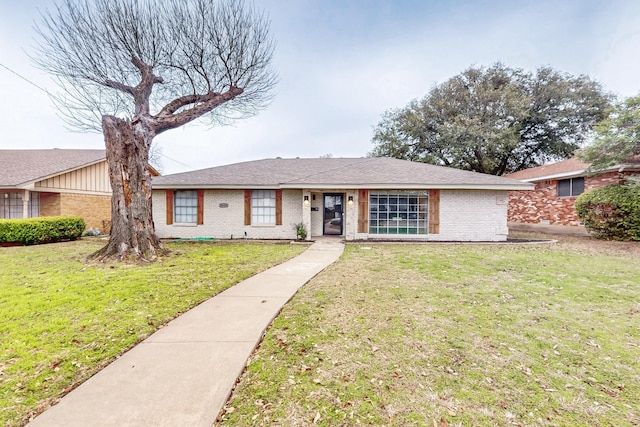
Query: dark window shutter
x=434, y=211
x=247, y=207
x=363, y=211
x=278, y=207
x=169, y=208
x=200, y=208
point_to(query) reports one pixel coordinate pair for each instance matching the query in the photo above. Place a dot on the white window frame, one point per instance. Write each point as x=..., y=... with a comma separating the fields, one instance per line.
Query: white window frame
x=263, y=207
x=185, y=207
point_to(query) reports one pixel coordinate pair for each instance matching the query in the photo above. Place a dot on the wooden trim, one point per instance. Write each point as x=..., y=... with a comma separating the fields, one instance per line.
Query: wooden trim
x=200, y=208
x=278, y=207
x=363, y=211
x=169, y=207
x=247, y=207
x=434, y=211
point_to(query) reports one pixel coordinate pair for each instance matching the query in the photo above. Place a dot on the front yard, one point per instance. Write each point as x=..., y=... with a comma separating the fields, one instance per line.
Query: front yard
x=455, y=335
x=61, y=319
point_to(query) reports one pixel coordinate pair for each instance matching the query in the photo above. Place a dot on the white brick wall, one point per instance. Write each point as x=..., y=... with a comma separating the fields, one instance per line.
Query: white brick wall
x=465, y=215
x=468, y=215
x=222, y=223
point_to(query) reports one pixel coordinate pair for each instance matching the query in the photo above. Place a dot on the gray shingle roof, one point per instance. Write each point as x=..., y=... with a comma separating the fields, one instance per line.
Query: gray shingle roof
x=18, y=167
x=366, y=172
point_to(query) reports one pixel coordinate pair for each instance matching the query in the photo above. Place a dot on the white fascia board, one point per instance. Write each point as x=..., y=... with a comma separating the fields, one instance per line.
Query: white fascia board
x=328, y=187
x=212, y=187
x=508, y=187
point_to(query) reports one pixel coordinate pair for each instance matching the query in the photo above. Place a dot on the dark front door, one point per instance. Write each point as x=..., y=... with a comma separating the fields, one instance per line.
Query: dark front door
x=333, y=211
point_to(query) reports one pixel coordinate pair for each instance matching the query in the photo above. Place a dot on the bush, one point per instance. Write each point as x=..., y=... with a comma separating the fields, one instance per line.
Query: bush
x=33, y=231
x=611, y=212
x=301, y=231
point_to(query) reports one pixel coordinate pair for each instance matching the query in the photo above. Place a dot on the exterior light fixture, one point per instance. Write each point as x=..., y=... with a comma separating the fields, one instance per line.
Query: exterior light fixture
x=350, y=200
x=306, y=200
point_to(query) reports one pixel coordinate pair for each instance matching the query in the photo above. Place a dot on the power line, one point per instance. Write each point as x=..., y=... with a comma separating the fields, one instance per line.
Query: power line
x=23, y=78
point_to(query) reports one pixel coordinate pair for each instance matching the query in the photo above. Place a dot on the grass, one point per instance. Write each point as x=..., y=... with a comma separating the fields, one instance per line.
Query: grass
x=454, y=335
x=62, y=319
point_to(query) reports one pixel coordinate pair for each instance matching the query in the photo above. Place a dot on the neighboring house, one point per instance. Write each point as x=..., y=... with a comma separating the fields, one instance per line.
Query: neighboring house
x=55, y=182
x=357, y=198
x=556, y=187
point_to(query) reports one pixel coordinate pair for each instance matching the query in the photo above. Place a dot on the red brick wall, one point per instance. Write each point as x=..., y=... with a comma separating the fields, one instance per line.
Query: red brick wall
x=543, y=205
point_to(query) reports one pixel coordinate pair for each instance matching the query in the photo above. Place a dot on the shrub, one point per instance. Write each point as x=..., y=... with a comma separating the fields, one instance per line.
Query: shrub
x=33, y=231
x=611, y=212
x=301, y=230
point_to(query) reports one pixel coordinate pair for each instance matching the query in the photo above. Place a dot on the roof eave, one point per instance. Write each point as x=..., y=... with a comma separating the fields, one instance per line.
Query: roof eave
x=497, y=187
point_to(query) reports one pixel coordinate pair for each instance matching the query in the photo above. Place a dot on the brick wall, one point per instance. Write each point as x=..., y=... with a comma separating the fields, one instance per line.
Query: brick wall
x=224, y=217
x=96, y=210
x=49, y=204
x=465, y=215
x=543, y=206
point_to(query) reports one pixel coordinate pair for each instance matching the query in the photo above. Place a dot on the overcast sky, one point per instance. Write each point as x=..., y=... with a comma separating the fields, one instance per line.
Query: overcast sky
x=342, y=63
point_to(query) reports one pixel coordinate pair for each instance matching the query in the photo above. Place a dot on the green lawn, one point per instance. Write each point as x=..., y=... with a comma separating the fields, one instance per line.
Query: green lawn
x=455, y=335
x=62, y=319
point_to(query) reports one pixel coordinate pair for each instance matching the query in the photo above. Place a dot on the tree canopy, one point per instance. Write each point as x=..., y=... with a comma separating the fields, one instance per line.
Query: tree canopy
x=494, y=120
x=617, y=136
x=135, y=69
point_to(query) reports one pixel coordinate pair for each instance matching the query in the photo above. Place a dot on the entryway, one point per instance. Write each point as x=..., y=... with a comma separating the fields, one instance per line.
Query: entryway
x=333, y=216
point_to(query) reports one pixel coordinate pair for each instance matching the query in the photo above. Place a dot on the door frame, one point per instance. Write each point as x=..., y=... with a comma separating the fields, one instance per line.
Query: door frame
x=324, y=213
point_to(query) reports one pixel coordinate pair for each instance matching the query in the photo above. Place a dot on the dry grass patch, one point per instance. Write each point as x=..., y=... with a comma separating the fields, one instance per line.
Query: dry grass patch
x=453, y=335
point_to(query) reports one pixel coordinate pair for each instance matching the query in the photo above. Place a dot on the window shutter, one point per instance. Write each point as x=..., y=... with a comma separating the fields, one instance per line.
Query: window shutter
x=434, y=211
x=169, y=207
x=200, y=208
x=278, y=207
x=363, y=211
x=247, y=207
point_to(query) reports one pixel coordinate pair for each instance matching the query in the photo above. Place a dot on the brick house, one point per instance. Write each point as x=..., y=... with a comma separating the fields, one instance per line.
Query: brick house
x=356, y=198
x=557, y=186
x=54, y=182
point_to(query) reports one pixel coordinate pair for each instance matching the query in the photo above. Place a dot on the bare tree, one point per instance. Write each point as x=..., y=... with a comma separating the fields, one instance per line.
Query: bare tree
x=135, y=69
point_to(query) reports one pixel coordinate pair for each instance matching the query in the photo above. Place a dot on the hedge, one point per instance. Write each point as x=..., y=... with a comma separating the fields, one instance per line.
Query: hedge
x=34, y=231
x=611, y=212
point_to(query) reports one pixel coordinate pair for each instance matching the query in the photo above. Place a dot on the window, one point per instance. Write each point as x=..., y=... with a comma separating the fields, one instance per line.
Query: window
x=11, y=205
x=398, y=212
x=570, y=187
x=263, y=207
x=186, y=207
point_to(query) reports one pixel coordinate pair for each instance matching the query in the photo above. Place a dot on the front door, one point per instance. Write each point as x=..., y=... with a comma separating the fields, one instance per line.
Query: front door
x=333, y=211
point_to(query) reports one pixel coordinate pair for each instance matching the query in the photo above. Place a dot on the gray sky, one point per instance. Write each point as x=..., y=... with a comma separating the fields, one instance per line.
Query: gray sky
x=342, y=63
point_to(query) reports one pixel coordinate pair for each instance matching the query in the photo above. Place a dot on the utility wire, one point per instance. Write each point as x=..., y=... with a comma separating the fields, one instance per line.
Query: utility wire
x=23, y=78
x=45, y=91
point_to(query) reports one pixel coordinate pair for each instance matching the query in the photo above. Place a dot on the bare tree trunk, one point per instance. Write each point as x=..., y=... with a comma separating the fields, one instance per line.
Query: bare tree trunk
x=132, y=231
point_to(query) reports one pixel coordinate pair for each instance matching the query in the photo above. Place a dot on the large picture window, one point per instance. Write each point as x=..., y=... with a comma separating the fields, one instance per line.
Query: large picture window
x=398, y=212
x=570, y=187
x=263, y=207
x=186, y=207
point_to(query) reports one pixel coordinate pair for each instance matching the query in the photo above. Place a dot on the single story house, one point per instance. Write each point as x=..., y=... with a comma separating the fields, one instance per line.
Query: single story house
x=356, y=198
x=54, y=182
x=557, y=186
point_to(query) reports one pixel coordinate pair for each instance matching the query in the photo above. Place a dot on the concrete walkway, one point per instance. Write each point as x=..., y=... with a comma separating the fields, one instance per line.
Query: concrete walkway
x=182, y=375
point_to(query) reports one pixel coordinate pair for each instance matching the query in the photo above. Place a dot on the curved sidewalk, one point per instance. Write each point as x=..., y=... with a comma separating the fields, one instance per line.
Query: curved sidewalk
x=182, y=374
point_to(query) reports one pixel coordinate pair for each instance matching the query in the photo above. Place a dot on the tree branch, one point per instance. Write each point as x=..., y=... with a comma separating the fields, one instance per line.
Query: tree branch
x=120, y=86
x=203, y=104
